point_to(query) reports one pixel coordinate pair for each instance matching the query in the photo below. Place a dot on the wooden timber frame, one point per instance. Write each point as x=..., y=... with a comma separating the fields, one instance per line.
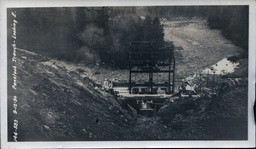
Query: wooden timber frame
x=145, y=57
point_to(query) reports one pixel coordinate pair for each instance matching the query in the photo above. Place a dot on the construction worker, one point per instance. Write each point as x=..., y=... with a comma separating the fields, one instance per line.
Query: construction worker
x=105, y=84
x=189, y=89
x=110, y=84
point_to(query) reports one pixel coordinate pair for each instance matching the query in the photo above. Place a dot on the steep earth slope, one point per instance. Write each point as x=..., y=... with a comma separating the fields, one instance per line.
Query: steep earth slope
x=60, y=103
x=57, y=100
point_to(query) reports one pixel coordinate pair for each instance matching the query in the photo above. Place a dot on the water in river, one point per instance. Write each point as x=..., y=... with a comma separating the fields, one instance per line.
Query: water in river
x=224, y=66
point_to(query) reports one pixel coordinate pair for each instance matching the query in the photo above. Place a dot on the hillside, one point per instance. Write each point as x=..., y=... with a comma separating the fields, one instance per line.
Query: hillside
x=60, y=103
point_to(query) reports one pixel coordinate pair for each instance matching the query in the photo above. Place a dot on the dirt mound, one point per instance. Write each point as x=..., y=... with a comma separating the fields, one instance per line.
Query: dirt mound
x=218, y=117
x=60, y=103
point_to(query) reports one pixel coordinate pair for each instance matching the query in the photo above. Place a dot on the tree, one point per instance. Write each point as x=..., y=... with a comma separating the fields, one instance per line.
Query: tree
x=158, y=32
x=102, y=20
x=148, y=28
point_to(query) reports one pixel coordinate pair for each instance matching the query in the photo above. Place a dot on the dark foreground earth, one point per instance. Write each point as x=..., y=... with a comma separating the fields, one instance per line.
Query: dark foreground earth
x=58, y=100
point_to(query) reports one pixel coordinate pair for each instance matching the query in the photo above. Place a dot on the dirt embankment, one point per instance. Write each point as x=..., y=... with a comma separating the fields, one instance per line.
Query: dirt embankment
x=222, y=117
x=58, y=101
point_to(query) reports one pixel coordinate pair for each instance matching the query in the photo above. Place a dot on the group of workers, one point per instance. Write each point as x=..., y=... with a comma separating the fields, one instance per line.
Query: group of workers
x=107, y=85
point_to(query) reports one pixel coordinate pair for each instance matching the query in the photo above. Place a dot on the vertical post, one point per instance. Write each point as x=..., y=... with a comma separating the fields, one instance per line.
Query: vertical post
x=173, y=75
x=130, y=75
x=151, y=82
x=169, y=82
x=169, y=73
x=130, y=83
x=151, y=70
x=200, y=82
x=213, y=81
x=207, y=79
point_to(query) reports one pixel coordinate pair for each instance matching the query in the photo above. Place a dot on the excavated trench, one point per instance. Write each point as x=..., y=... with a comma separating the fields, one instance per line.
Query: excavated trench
x=59, y=101
x=134, y=105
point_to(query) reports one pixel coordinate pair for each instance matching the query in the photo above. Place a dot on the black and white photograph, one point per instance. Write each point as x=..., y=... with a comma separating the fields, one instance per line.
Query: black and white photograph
x=128, y=73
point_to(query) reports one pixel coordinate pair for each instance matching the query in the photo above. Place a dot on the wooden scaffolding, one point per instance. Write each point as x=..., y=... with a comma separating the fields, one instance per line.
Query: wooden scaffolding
x=151, y=58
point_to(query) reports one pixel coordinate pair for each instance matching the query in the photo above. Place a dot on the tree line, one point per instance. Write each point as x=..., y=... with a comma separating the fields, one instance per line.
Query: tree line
x=103, y=34
x=85, y=35
x=234, y=25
